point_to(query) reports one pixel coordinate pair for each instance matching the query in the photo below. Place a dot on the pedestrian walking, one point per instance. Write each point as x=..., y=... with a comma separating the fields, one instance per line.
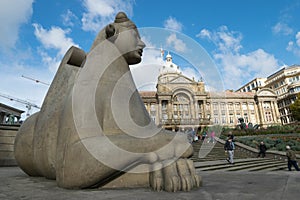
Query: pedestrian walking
x=262, y=149
x=229, y=149
x=291, y=156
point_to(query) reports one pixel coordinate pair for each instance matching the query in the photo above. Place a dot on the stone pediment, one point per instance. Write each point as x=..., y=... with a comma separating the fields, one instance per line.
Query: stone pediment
x=265, y=92
x=181, y=79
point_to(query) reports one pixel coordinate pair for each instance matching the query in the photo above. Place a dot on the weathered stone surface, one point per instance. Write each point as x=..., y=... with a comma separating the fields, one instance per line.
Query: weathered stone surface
x=93, y=129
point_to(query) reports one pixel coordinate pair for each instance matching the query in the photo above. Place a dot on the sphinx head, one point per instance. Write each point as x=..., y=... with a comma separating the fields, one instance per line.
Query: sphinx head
x=125, y=36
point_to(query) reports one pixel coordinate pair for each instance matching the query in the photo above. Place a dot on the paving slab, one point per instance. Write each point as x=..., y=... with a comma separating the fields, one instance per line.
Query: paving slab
x=279, y=185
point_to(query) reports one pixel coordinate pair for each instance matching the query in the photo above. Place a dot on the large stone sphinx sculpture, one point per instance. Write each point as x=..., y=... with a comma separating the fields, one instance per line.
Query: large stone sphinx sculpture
x=93, y=129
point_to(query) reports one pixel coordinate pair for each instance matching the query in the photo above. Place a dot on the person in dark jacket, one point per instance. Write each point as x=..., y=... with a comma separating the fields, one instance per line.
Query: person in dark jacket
x=231, y=136
x=291, y=156
x=262, y=149
x=229, y=148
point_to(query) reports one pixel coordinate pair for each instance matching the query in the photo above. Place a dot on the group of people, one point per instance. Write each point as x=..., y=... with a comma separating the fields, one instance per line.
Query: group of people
x=230, y=146
x=290, y=154
x=195, y=137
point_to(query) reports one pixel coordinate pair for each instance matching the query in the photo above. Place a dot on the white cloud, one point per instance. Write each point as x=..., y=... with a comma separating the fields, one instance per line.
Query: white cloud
x=204, y=33
x=68, y=18
x=229, y=40
x=294, y=46
x=145, y=74
x=172, y=23
x=52, y=63
x=282, y=28
x=290, y=46
x=224, y=39
x=12, y=15
x=298, y=39
x=178, y=44
x=191, y=73
x=235, y=67
x=55, y=38
x=101, y=12
x=13, y=85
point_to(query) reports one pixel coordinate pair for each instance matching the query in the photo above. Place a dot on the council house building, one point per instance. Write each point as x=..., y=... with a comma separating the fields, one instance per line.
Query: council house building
x=181, y=103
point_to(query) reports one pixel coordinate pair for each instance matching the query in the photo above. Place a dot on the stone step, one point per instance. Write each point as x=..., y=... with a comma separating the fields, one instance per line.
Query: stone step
x=214, y=159
x=254, y=166
x=249, y=164
x=268, y=167
x=219, y=155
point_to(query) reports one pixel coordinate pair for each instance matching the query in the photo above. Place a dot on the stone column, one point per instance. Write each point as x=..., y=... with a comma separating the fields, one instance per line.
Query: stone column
x=234, y=114
x=227, y=113
x=204, y=108
x=262, y=114
x=286, y=115
x=2, y=117
x=169, y=110
x=256, y=113
x=159, y=111
x=273, y=112
x=277, y=112
x=196, y=105
x=193, y=109
x=242, y=110
x=248, y=112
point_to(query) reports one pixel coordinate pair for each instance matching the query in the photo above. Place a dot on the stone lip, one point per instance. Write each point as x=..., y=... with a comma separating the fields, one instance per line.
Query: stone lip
x=277, y=185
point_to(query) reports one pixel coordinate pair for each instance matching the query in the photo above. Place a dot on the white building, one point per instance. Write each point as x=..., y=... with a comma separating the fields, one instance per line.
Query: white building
x=182, y=103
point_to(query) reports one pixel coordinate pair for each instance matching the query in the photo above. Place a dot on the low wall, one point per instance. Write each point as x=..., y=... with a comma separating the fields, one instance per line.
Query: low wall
x=278, y=155
x=7, y=138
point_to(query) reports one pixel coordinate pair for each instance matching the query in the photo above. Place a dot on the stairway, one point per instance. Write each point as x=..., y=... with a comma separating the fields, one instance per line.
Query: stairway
x=7, y=138
x=211, y=157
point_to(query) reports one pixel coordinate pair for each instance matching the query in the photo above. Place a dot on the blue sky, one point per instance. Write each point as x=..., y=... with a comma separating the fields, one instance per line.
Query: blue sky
x=244, y=39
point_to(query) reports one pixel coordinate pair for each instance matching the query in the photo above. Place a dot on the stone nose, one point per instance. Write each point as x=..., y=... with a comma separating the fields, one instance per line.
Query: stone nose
x=141, y=44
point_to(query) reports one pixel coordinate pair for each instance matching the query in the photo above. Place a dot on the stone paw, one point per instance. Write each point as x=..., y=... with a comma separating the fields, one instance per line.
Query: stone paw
x=175, y=176
x=172, y=181
x=156, y=178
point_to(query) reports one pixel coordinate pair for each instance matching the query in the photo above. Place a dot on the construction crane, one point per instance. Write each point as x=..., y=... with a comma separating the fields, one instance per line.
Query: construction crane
x=37, y=81
x=29, y=105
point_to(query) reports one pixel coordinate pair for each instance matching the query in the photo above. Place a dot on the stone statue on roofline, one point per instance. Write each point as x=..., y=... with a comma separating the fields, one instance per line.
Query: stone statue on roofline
x=93, y=129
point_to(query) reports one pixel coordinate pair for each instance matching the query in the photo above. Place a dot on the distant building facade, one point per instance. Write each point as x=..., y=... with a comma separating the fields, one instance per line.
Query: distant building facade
x=255, y=85
x=9, y=115
x=181, y=103
x=285, y=83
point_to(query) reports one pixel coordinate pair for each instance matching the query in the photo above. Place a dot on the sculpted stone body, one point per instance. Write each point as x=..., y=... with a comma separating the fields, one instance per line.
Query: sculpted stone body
x=93, y=127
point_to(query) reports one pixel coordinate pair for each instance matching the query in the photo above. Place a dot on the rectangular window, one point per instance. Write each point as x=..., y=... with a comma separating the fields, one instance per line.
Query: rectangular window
x=244, y=106
x=208, y=107
x=152, y=107
x=246, y=118
x=175, y=107
x=215, y=106
x=223, y=120
x=230, y=106
x=164, y=105
x=268, y=116
x=216, y=120
x=231, y=119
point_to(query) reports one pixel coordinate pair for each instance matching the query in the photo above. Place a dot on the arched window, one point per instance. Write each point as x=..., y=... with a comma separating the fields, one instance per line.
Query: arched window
x=181, y=106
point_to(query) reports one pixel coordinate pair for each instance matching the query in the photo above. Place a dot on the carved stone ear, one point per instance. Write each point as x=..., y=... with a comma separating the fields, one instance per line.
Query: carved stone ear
x=110, y=30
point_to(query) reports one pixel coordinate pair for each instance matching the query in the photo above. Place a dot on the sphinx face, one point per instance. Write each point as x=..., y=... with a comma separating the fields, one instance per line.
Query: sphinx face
x=130, y=46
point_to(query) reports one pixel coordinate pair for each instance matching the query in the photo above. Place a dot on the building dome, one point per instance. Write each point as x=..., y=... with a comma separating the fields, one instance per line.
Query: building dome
x=169, y=66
